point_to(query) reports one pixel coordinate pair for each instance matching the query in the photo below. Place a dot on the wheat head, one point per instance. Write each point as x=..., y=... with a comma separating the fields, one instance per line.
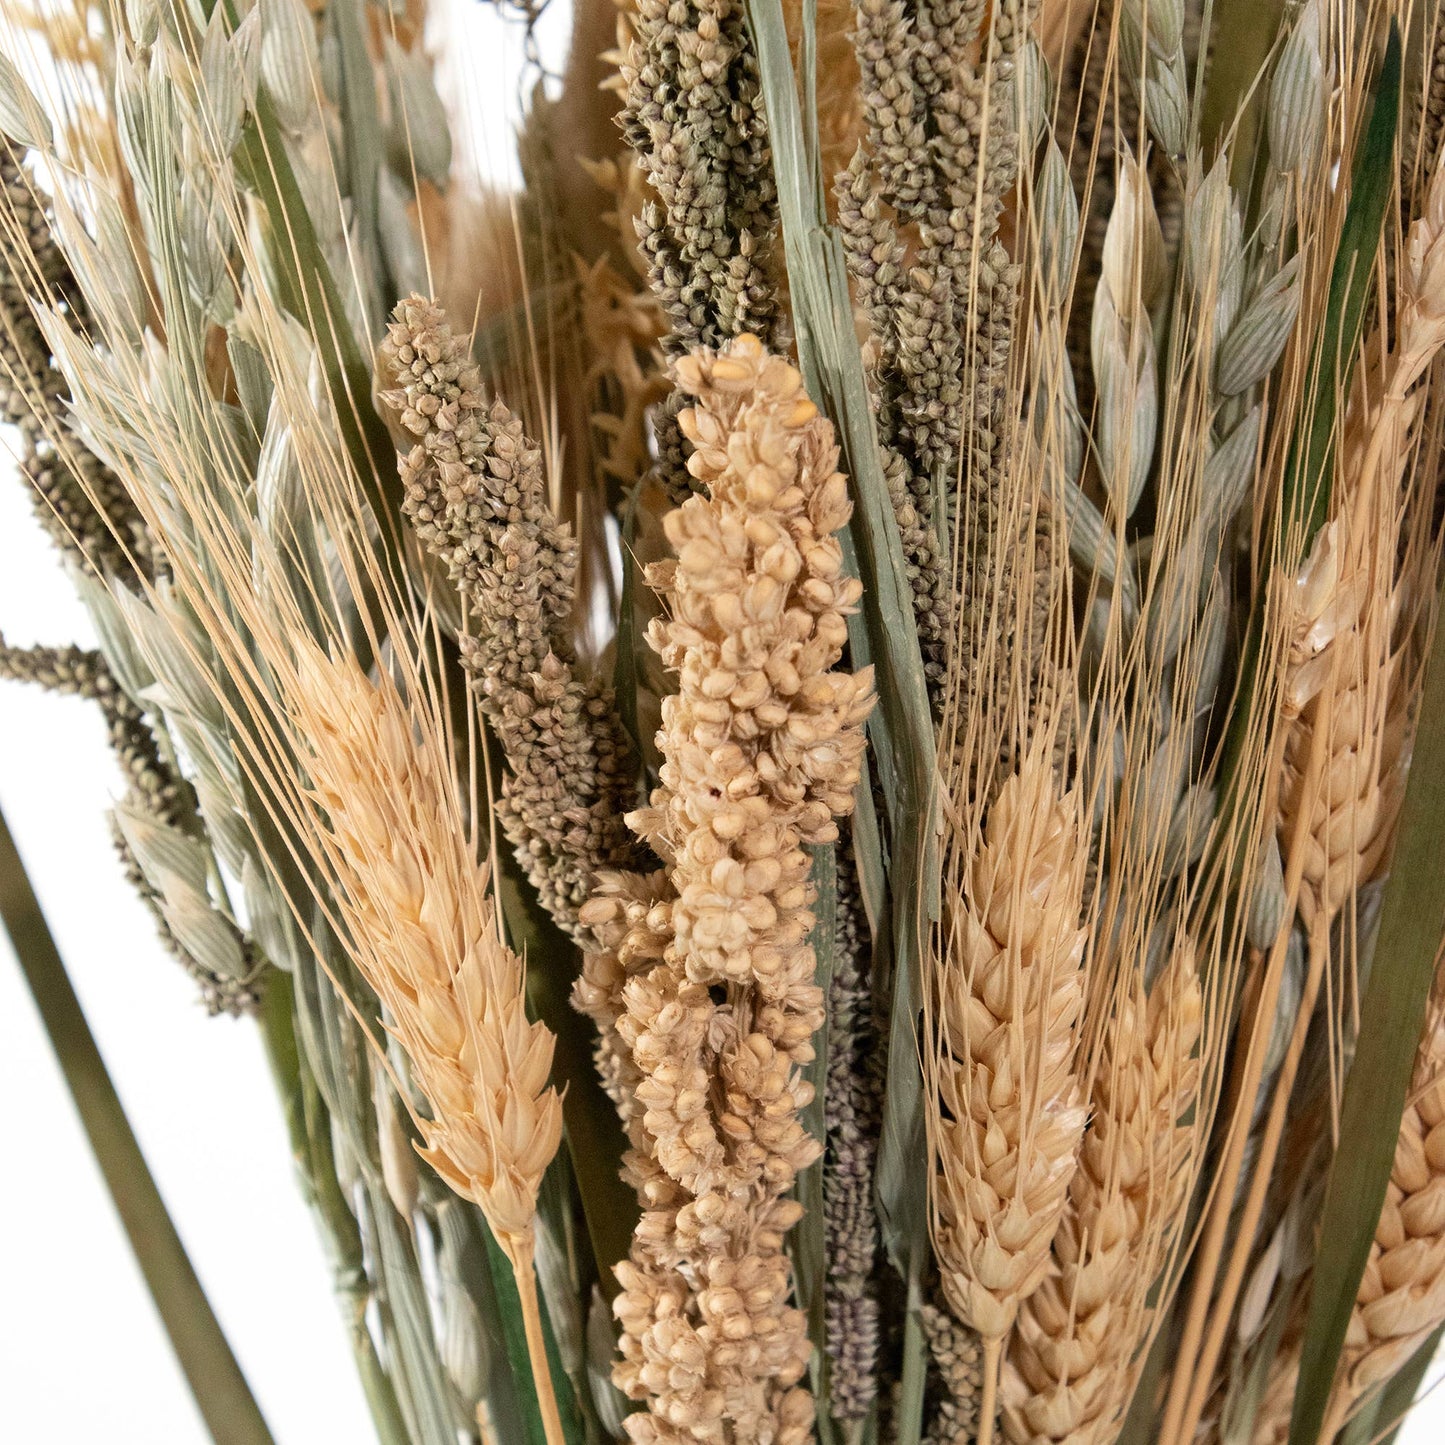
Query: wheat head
x=1078, y=1344
x=423, y=932
x=1011, y=993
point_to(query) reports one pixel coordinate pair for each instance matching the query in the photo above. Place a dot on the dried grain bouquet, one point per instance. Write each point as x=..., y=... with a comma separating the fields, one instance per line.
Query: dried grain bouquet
x=809, y=724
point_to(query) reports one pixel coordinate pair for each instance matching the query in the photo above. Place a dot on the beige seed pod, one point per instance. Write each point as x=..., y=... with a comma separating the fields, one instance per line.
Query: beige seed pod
x=710, y=990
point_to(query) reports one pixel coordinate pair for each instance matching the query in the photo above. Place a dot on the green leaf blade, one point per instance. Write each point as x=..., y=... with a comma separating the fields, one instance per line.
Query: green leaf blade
x=1392, y=1018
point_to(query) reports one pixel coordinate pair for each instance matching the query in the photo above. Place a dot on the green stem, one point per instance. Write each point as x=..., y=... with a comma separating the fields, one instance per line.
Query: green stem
x=220, y=1390
x=308, y=1126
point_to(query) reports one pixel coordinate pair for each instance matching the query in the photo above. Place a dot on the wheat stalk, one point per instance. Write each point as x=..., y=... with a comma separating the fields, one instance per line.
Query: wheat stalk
x=423, y=931
x=1345, y=700
x=1077, y=1350
x=1009, y=1110
x=1344, y=676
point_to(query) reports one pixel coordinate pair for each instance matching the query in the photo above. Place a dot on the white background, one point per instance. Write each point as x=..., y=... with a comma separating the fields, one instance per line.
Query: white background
x=82, y=1354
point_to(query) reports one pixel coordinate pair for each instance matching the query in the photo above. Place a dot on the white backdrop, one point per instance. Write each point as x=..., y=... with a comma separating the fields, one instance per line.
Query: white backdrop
x=82, y=1353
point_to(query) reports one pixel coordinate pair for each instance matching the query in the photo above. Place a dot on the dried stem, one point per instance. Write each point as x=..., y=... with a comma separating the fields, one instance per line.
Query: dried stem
x=521, y=1252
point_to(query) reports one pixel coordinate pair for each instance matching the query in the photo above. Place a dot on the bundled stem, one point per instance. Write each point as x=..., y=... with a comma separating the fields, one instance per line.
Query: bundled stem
x=220, y=1389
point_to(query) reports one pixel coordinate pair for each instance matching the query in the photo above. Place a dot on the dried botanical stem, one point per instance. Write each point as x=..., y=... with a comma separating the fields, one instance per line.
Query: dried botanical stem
x=219, y=1388
x=1349, y=604
x=520, y=1254
x=422, y=929
x=1008, y=1111
x=154, y=790
x=988, y=1393
x=919, y=208
x=1078, y=1347
x=762, y=749
x=693, y=117
x=1346, y=737
x=851, y=1111
x=80, y=503
x=1339, y=756
x=1190, y=1385
x=475, y=492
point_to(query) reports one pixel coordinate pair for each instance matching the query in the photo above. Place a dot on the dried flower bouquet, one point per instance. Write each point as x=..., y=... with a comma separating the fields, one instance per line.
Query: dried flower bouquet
x=813, y=733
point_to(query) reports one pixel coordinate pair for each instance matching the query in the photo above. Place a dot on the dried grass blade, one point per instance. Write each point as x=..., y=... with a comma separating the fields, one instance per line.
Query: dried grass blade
x=885, y=633
x=1392, y=1017
x=1307, y=487
x=220, y=1389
